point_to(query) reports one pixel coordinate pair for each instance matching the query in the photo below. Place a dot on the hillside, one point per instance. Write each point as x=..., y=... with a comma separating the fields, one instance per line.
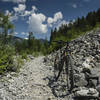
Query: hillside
x=37, y=65
x=34, y=81
x=76, y=28
x=85, y=56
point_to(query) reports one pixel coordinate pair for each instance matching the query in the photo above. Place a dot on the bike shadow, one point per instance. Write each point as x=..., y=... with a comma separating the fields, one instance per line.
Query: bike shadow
x=58, y=88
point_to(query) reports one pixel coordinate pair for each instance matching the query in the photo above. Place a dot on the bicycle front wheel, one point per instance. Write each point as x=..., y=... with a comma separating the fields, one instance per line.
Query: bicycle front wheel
x=71, y=72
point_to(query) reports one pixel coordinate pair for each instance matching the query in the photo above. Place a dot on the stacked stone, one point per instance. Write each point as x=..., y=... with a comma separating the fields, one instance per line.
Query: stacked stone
x=85, y=54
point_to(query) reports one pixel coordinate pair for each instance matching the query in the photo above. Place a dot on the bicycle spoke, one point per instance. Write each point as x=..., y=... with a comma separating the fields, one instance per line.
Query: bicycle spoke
x=64, y=66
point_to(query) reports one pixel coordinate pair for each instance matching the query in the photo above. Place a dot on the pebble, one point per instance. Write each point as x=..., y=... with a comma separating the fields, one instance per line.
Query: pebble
x=33, y=80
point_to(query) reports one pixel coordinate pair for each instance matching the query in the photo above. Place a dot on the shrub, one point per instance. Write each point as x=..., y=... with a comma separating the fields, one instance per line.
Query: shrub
x=6, y=58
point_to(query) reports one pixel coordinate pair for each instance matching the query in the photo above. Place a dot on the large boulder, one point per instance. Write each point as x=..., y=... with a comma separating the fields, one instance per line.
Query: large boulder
x=86, y=63
x=86, y=92
x=80, y=80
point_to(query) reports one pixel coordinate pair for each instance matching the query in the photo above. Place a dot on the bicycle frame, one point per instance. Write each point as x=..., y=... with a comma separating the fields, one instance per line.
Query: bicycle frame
x=68, y=60
x=71, y=74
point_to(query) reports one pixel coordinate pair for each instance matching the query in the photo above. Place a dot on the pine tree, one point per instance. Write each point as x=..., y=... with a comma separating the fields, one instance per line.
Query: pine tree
x=6, y=26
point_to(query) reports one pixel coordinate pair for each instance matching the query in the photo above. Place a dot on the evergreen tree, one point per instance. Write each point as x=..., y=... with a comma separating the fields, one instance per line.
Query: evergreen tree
x=76, y=28
x=5, y=26
x=30, y=40
x=98, y=15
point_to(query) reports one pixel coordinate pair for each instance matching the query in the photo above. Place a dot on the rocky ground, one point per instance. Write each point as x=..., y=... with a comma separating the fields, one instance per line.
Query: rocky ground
x=35, y=81
x=31, y=83
x=86, y=61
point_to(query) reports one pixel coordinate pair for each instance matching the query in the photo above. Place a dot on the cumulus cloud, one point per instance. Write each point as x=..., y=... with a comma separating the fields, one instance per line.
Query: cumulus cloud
x=19, y=11
x=74, y=5
x=57, y=16
x=63, y=22
x=36, y=23
x=27, y=13
x=7, y=12
x=26, y=38
x=15, y=33
x=20, y=8
x=15, y=1
x=34, y=8
x=23, y=33
x=35, y=20
x=11, y=16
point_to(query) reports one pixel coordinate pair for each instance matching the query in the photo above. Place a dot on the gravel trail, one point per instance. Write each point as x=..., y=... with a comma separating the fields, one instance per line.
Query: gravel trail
x=29, y=84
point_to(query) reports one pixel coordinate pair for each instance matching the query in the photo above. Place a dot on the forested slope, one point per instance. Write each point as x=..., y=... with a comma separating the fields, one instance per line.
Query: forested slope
x=74, y=29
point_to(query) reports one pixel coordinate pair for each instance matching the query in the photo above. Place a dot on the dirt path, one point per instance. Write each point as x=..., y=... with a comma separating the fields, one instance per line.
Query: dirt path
x=29, y=84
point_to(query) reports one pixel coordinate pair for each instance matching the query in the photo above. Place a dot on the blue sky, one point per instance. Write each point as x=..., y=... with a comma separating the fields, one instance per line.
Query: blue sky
x=40, y=16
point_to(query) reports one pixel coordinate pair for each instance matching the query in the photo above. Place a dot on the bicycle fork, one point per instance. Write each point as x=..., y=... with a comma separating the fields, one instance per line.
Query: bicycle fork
x=60, y=70
x=69, y=72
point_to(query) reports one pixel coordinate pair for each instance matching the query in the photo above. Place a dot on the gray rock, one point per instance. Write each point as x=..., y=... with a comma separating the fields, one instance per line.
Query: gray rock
x=80, y=80
x=30, y=57
x=1, y=85
x=85, y=92
x=98, y=88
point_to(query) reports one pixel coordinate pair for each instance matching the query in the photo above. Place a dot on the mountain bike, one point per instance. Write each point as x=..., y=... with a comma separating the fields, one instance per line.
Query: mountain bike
x=63, y=61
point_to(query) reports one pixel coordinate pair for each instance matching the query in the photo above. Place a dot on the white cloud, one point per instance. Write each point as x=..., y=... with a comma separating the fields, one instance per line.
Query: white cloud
x=23, y=33
x=26, y=13
x=19, y=11
x=36, y=23
x=1, y=20
x=7, y=12
x=50, y=20
x=35, y=20
x=20, y=8
x=72, y=22
x=64, y=22
x=34, y=8
x=26, y=38
x=57, y=16
x=15, y=33
x=74, y=5
x=15, y=1
x=11, y=16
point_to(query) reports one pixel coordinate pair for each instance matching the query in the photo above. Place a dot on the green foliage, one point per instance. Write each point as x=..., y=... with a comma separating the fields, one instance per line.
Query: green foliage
x=6, y=58
x=23, y=54
x=75, y=29
x=32, y=46
x=36, y=54
x=6, y=26
x=2, y=69
x=20, y=63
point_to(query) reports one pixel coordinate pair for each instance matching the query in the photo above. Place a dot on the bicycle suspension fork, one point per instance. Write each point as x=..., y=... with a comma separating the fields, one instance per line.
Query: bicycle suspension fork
x=67, y=70
x=71, y=72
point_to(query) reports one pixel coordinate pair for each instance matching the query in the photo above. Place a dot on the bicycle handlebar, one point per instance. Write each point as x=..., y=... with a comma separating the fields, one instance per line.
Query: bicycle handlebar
x=62, y=42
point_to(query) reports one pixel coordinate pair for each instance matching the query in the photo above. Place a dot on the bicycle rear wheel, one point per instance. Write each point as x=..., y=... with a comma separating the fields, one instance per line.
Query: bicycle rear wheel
x=71, y=72
x=67, y=72
x=56, y=65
